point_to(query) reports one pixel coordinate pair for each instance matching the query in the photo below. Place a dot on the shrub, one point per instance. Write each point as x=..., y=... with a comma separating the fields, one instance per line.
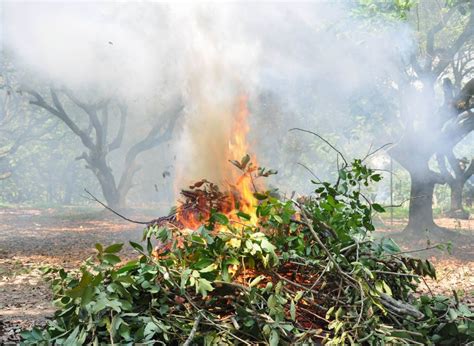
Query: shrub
x=307, y=272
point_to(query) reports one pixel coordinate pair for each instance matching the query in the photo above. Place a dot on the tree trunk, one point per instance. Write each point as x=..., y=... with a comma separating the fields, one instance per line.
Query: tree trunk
x=456, y=209
x=421, y=202
x=110, y=192
x=70, y=180
x=98, y=165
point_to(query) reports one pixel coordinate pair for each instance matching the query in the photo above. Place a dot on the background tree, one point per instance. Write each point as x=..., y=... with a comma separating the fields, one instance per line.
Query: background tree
x=419, y=127
x=98, y=140
x=456, y=172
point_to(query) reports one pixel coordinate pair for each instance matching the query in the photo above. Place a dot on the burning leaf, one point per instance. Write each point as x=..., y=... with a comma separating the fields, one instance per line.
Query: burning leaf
x=245, y=160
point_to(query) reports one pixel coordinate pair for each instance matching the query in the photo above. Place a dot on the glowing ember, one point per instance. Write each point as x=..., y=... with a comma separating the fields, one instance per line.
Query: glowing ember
x=205, y=196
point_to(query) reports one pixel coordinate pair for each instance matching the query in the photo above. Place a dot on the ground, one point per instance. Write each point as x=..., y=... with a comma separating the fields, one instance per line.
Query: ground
x=33, y=238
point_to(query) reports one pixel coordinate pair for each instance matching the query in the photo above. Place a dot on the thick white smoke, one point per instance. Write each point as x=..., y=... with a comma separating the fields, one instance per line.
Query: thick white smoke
x=311, y=58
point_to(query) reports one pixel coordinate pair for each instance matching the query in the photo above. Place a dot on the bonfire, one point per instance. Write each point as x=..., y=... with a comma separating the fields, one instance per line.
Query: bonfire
x=234, y=263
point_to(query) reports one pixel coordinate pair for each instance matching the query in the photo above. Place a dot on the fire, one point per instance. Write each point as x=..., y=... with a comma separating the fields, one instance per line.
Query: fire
x=238, y=148
x=240, y=187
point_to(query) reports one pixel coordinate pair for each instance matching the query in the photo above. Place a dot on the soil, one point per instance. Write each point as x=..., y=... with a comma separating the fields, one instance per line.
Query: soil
x=31, y=239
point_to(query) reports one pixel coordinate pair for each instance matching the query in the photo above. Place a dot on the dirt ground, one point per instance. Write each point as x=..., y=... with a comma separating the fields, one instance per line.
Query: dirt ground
x=31, y=239
x=454, y=269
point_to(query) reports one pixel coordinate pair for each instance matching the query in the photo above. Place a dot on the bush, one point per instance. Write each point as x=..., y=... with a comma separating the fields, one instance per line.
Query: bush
x=307, y=272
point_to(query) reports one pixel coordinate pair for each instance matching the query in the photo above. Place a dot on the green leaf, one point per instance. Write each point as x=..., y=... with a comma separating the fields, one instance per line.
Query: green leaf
x=293, y=310
x=255, y=281
x=298, y=295
x=114, y=248
x=243, y=215
x=71, y=340
x=150, y=329
x=111, y=259
x=209, y=268
x=274, y=338
x=136, y=246
x=77, y=291
x=129, y=266
x=378, y=207
x=260, y=196
x=453, y=314
x=390, y=246
x=87, y=295
x=184, y=278
x=99, y=248
x=387, y=288
x=278, y=218
x=124, y=332
x=376, y=177
x=342, y=174
x=204, y=286
x=220, y=218
x=332, y=202
x=267, y=246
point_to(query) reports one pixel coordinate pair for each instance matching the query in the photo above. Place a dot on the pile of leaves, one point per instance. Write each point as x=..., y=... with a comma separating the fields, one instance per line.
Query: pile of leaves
x=308, y=272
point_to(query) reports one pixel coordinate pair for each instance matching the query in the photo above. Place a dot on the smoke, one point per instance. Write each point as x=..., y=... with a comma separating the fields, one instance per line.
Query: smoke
x=220, y=65
x=300, y=65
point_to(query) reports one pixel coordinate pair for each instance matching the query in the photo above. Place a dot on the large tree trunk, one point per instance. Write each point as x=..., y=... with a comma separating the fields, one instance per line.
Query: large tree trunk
x=456, y=210
x=456, y=178
x=456, y=196
x=70, y=180
x=421, y=202
x=109, y=188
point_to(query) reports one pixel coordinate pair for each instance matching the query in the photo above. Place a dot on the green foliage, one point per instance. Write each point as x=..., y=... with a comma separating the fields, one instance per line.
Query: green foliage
x=388, y=10
x=446, y=321
x=307, y=272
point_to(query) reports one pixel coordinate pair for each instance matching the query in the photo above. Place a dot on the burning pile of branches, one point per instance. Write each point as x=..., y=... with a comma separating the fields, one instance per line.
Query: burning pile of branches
x=226, y=269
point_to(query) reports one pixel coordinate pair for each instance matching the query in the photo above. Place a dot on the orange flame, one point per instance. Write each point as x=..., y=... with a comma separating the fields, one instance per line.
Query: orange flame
x=238, y=148
x=241, y=197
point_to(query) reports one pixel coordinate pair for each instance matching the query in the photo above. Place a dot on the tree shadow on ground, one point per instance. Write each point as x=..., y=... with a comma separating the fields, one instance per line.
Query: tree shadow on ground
x=460, y=240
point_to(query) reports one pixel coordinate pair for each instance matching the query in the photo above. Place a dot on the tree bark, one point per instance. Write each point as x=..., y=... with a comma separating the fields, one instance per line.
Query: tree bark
x=456, y=196
x=456, y=178
x=456, y=209
x=70, y=175
x=421, y=202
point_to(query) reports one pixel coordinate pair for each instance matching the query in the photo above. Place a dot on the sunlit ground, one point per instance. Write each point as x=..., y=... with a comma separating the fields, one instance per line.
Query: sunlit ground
x=33, y=238
x=455, y=268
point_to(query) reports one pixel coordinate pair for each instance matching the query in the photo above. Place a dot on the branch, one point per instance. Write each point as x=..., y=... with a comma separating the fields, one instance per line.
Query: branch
x=462, y=101
x=370, y=153
x=430, y=37
x=61, y=114
x=469, y=171
x=91, y=111
x=454, y=163
x=443, y=168
x=193, y=330
x=151, y=140
x=115, y=212
x=465, y=36
x=117, y=141
x=309, y=170
x=399, y=307
x=308, y=224
x=455, y=130
x=105, y=126
x=29, y=135
x=324, y=140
